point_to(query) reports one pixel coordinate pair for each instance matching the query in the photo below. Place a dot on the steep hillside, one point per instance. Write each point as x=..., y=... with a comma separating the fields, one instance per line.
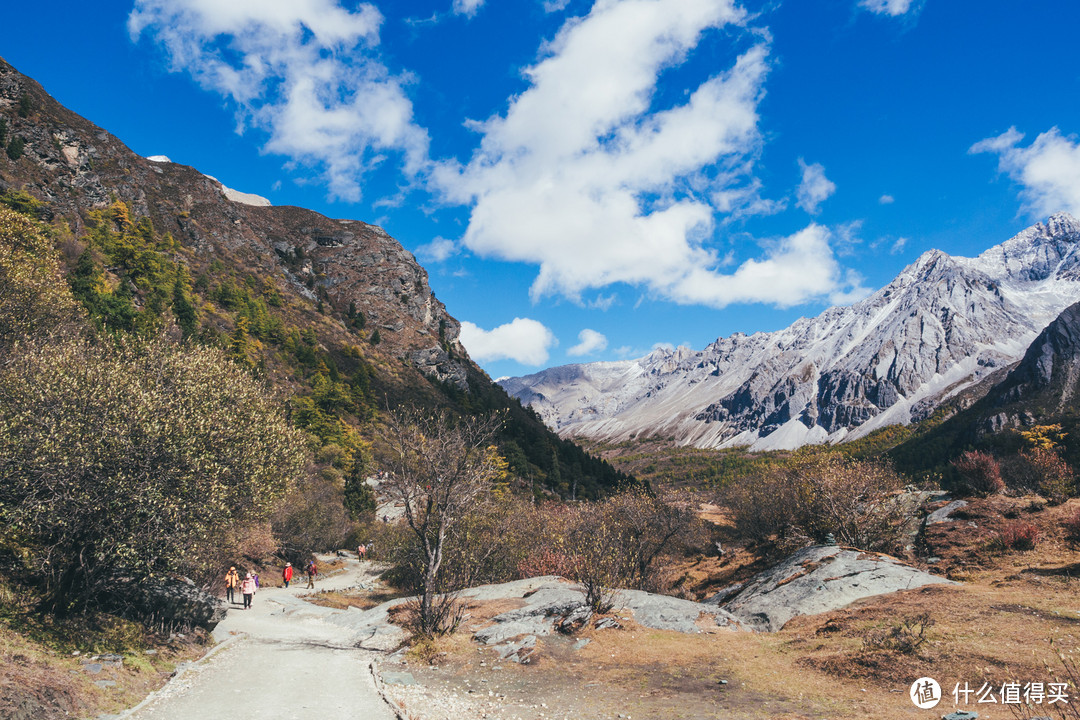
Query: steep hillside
x=1041, y=390
x=940, y=327
x=335, y=312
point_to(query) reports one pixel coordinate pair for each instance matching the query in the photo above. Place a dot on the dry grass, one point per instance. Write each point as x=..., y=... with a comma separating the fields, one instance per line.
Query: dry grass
x=39, y=681
x=995, y=627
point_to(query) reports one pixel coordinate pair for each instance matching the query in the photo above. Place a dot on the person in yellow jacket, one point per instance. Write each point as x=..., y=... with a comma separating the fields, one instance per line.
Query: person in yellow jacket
x=232, y=581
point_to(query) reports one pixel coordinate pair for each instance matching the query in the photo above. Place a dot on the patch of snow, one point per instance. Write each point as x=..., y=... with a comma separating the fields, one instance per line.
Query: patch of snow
x=159, y=158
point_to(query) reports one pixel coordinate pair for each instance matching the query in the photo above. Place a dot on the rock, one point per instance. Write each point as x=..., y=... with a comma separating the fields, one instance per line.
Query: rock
x=581, y=643
x=942, y=514
x=607, y=623
x=575, y=620
x=93, y=668
x=175, y=601
x=520, y=652
x=961, y=715
x=818, y=579
x=105, y=683
x=391, y=677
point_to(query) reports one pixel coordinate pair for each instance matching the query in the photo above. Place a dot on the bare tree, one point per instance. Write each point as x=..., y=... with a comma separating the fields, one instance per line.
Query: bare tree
x=442, y=470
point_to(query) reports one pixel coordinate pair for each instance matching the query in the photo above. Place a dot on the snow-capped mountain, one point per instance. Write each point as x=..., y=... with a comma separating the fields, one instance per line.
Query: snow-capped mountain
x=942, y=325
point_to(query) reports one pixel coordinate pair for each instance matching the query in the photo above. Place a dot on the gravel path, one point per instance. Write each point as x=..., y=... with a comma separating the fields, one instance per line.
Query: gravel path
x=284, y=659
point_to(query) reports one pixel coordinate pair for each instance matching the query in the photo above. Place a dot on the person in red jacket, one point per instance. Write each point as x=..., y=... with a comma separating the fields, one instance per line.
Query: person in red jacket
x=286, y=574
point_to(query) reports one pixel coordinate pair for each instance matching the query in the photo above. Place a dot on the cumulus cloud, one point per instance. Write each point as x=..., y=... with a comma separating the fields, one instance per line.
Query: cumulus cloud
x=524, y=340
x=892, y=8
x=898, y=245
x=794, y=270
x=438, y=250
x=886, y=199
x=304, y=71
x=589, y=342
x=1047, y=170
x=584, y=177
x=814, y=188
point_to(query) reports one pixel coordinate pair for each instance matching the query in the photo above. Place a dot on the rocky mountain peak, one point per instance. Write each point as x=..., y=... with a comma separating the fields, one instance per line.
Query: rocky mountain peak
x=940, y=326
x=77, y=167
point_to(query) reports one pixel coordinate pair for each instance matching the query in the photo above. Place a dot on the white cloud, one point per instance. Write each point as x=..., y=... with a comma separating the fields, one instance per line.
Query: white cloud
x=795, y=269
x=584, y=177
x=524, y=340
x=898, y=246
x=1048, y=170
x=590, y=341
x=814, y=188
x=603, y=302
x=551, y=6
x=886, y=200
x=892, y=8
x=467, y=7
x=438, y=250
x=304, y=71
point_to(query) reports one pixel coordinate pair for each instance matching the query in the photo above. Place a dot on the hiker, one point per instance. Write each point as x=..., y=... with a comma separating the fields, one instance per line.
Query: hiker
x=255, y=575
x=286, y=574
x=312, y=571
x=232, y=581
x=361, y=552
x=248, y=589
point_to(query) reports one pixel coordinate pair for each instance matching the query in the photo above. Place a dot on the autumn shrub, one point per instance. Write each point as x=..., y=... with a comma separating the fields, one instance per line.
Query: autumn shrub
x=126, y=459
x=1071, y=526
x=1019, y=536
x=1053, y=476
x=815, y=496
x=980, y=474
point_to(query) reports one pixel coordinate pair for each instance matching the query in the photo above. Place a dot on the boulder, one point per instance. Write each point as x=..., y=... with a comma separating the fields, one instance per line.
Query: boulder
x=176, y=602
x=818, y=579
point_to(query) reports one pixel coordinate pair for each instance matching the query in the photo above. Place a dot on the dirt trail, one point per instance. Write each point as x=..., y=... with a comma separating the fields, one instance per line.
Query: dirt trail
x=284, y=659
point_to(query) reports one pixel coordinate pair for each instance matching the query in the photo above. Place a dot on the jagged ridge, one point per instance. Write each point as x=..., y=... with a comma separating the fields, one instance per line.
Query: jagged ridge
x=939, y=327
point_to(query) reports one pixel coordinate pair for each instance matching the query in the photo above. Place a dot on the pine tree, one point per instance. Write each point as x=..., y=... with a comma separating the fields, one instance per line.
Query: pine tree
x=182, y=307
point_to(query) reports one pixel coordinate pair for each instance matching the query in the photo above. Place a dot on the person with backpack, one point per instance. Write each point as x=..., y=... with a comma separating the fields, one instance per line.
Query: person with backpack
x=286, y=574
x=312, y=571
x=248, y=588
x=232, y=581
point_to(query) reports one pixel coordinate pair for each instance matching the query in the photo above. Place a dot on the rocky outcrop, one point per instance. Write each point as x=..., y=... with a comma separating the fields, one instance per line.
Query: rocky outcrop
x=77, y=167
x=815, y=580
x=943, y=325
x=172, y=602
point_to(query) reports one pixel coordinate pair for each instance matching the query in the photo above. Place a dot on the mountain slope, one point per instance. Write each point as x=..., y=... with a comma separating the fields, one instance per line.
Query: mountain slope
x=939, y=327
x=334, y=312
x=1043, y=389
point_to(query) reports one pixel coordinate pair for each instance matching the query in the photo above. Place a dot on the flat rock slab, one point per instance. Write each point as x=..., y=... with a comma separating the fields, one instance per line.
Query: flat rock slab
x=942, y=514
x=550, y=599
x=818, y=579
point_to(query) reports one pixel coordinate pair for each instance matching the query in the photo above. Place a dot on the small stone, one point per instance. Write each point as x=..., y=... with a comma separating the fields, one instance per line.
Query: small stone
x=961, y=715
x=93, y=668
x=105, y=683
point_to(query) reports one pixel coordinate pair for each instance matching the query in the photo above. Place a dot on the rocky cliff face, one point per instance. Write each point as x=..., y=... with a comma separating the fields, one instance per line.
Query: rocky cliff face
x=1044, y=383
x=941, y=326
x=77, y=167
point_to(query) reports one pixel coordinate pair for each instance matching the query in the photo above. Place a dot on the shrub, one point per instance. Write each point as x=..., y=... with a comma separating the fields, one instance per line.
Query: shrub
x=815, y=496
x=1019, y=536
x=1071, y=525
x=1054, y=477
x=15, y=148
x=906, y=636
x=980, y=474
x=125, y=460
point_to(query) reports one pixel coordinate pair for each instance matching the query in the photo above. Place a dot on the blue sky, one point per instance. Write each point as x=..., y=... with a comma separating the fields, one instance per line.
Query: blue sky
x=586, y=180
